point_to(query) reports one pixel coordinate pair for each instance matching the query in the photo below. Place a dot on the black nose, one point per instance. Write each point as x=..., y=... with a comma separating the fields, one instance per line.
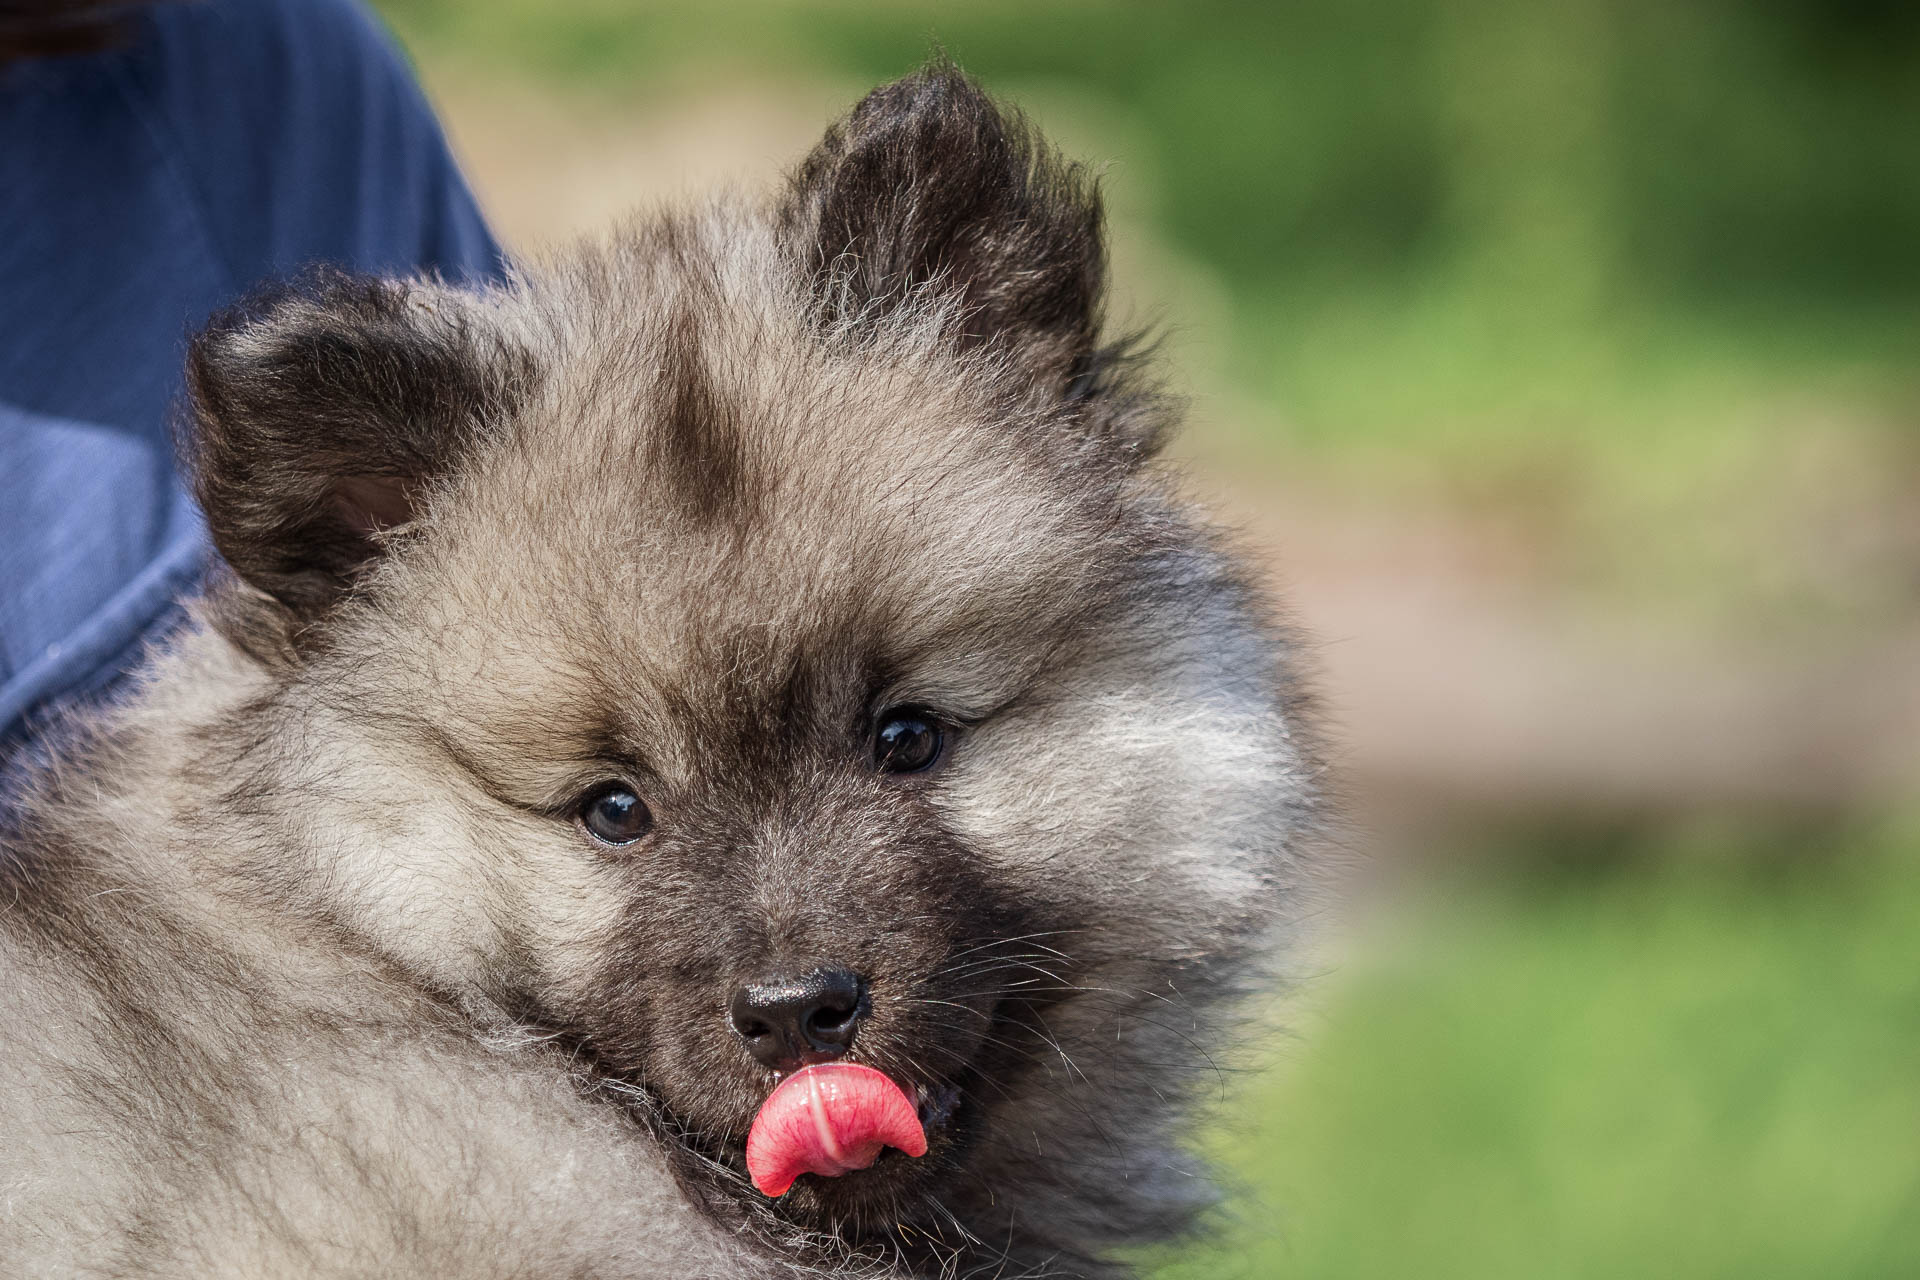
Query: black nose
x=788, y=1022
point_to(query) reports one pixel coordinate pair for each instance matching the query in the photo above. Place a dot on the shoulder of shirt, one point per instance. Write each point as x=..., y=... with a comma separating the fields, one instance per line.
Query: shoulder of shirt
x=252, y=40
x=296, y=121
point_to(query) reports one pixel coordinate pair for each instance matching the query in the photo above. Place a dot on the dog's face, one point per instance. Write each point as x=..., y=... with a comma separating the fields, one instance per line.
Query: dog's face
x=765, y=641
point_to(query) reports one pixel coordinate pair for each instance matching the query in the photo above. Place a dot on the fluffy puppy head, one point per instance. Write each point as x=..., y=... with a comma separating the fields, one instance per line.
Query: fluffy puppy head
x=766, y=639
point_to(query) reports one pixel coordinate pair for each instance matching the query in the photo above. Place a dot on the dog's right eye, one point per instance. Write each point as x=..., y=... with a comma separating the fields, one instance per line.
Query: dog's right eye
x=612, y=814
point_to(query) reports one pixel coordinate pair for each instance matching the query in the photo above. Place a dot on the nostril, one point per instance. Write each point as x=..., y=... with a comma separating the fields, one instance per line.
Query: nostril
x=747, y=1016
x=830, y=1019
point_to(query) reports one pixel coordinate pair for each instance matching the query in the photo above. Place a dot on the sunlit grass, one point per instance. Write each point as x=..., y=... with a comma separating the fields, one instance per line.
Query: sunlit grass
x=1682, y=1066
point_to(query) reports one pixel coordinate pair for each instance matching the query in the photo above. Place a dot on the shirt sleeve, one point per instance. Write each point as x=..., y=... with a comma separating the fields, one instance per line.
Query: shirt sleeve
x=305, y=138
x=232, y=141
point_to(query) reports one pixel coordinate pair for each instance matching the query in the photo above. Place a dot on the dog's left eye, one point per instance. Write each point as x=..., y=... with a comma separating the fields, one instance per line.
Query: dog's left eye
x=612, y=814
x=908, y=740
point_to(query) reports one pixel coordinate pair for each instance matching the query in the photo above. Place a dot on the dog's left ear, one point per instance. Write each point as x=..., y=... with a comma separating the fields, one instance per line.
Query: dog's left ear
x=927, y=186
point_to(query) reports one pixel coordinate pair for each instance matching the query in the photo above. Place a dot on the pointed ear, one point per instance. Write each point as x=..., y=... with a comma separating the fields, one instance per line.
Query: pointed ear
x=927, y=183
x=320, y=411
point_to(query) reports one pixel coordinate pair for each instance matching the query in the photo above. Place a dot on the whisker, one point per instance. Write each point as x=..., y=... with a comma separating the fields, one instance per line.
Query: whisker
x=1024, y=937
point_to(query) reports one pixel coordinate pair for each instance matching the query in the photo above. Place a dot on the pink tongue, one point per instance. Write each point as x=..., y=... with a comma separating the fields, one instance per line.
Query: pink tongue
x=829, y=1119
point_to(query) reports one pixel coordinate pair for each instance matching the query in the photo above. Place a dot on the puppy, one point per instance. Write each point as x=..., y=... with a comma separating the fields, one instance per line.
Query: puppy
x=724, y=756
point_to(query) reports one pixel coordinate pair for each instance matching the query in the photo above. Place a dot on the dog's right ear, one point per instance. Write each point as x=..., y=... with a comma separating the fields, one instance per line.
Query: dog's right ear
x=322, y=410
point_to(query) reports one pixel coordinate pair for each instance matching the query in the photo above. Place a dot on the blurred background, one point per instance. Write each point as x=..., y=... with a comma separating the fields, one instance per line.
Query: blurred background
x=1560, y=361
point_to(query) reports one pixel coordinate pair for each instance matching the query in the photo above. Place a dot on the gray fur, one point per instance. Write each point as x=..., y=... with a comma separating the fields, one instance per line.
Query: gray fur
x=311, y=970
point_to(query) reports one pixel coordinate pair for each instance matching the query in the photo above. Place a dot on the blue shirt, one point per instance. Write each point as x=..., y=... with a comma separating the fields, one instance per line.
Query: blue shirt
x=140, y=190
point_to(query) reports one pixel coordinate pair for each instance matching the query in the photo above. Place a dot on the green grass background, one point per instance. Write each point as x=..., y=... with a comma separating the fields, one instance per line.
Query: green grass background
x=1701, y=1061
x=1603, y=259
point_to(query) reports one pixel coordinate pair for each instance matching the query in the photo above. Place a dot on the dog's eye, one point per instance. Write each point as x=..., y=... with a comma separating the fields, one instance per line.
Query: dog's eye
x=612, y=814
x=907, y=741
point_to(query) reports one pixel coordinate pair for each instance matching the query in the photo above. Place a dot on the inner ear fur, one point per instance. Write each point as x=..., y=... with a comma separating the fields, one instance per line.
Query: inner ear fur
x=321, y=410
x=928, y=186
